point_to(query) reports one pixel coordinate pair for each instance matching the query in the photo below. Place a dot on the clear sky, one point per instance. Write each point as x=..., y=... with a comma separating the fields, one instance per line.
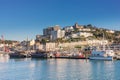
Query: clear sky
x=20, y=19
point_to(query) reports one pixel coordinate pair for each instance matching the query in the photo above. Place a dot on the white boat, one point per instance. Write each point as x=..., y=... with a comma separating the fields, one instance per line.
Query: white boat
x=102, y=55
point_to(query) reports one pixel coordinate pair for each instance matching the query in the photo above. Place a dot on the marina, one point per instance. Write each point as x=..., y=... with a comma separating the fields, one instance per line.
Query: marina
x=59, y=40
x=92, y=55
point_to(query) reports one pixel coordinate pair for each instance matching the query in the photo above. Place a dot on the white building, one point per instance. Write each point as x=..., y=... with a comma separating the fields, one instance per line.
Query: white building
x=32, y=42
x=110, y=31
x=57, y=34
x=85, y=34
x=74, y=35
x=50, y=47
x=69, y=28
x=39, y=46
x=84, y=29
x=46, y=47
x=97, y=42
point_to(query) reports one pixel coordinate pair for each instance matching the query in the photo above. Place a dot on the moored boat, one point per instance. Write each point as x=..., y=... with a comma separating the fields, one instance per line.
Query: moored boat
x=39, y=55
x=102, y=55
x=78, y=56
x=17, y=55
x=61, y=55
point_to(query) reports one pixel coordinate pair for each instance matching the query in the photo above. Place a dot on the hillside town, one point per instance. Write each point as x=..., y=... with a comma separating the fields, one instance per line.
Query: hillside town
x=72, y=36
x=69, y=39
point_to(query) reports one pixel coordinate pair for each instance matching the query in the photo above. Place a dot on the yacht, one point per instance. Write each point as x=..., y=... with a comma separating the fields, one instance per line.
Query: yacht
x=102, y=55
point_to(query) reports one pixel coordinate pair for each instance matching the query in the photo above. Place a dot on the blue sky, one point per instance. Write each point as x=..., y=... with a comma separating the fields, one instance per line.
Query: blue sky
x=20, y=19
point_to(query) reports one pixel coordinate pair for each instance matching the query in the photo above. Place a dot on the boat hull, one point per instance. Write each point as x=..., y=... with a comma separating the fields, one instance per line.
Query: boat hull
x=101, y=58
x=77, y=58
x=17, y=56
x=34, y=55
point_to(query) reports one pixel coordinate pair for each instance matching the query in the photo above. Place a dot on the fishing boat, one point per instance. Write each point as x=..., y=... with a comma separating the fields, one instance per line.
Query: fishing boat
x=17, y=54
x=39, y=54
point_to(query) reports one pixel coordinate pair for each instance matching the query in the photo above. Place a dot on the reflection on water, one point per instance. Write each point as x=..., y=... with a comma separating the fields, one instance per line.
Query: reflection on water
x=58, y=69
x=4, y=58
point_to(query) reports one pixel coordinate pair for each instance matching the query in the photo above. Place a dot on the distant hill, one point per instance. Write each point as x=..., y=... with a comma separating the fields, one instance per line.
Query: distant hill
x=8, y=41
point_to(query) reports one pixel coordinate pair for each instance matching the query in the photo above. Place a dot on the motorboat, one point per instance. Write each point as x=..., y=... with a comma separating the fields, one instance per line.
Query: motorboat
x=39, y=55
x=17, y=55
x=102, y=55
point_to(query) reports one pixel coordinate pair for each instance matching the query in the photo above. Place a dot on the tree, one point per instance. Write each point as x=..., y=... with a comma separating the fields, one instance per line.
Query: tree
x=43, y=41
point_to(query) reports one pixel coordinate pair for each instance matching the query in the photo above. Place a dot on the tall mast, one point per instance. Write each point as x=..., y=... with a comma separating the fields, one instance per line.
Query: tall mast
x=27, y=44
x=3, y=41
x=103, y=43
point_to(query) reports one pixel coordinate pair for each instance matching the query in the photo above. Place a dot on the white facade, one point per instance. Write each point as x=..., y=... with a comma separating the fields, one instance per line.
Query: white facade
x=57, y=34
x=46, y=47
x=32, y=42
x=85, y=34
x=97, y=42
x=39, y=46
x=84, y=29
x=50, y=47
x=74, y=36
x=69, y=28
x=110, y=31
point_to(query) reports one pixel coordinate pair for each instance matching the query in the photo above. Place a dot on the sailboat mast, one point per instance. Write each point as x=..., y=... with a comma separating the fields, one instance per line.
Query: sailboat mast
x=3, y=41
x=103, y=42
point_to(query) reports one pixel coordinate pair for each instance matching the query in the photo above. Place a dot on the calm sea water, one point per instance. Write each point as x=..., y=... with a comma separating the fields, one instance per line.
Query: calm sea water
x=58, y=69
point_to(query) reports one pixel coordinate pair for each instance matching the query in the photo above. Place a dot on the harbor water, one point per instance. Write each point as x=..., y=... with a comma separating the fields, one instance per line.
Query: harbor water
x=58, y=69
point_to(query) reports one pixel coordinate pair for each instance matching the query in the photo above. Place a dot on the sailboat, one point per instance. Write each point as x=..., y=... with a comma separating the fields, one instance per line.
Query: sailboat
x=104, y=54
